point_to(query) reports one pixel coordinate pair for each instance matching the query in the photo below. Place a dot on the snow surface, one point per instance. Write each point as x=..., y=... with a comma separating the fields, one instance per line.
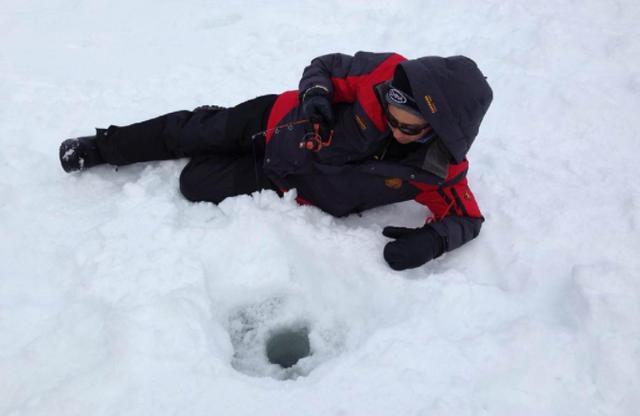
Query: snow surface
x=119, y=297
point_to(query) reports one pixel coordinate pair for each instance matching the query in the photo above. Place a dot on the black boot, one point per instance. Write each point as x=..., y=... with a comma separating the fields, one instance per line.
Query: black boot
x=80, y=153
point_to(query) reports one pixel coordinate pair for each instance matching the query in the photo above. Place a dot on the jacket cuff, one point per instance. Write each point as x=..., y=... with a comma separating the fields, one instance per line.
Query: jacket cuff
x=315, y=90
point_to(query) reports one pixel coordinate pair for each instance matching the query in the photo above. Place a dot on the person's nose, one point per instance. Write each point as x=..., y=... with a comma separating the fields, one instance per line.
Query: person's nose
x=397, y=133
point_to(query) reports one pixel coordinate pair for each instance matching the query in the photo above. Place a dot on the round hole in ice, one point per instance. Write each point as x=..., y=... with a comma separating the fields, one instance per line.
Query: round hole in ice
x=288, y=346
x=278, y=338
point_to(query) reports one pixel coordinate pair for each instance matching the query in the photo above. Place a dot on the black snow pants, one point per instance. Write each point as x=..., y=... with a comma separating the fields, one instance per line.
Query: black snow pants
x=225, y=161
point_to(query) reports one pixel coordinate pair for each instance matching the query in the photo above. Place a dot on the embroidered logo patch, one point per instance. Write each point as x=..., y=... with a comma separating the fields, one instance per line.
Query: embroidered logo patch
x=430, y=104
x=467, y=196
x=393, y=183
x=396, y=96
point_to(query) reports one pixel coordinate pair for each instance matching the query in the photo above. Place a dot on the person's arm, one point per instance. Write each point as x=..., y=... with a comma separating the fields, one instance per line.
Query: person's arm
x=336, y=78
x=456, y=220
x=340, y=74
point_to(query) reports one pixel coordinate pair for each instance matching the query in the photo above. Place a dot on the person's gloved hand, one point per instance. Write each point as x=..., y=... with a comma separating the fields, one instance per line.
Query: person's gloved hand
x=316, y=104
x=412, y=247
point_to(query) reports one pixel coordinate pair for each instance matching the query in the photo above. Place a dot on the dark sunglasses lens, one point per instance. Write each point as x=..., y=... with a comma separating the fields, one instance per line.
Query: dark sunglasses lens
x=410, y=130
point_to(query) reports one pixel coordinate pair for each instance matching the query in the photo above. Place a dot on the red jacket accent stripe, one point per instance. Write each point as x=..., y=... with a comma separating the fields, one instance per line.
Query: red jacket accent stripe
x=283, y=104
x=360, y=88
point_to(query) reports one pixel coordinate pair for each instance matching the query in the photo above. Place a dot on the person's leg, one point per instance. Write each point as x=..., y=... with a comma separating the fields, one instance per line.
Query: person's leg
x=187, y=133
x=213, y=178
x=170, y=136
x=206, y=130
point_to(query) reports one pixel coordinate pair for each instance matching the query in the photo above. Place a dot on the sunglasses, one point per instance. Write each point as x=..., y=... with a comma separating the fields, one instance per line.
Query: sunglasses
x=409, y=129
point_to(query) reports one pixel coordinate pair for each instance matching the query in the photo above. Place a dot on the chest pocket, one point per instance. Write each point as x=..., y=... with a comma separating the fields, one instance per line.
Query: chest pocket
x=355, y=138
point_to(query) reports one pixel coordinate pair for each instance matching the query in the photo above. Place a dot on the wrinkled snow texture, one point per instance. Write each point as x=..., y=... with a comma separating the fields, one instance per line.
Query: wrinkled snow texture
x=119, y=297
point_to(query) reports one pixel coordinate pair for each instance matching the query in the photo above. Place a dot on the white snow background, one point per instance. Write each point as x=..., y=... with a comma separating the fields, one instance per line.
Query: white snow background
x=119, y=297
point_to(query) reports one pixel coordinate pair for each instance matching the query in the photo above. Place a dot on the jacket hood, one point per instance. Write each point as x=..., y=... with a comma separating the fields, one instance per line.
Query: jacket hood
x=453, y=96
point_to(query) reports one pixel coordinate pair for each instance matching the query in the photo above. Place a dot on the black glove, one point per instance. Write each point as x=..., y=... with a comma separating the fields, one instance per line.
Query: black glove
x=413, y=246
x=316, y=104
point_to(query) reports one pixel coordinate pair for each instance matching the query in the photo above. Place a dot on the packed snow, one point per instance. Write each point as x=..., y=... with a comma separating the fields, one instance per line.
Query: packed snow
x=119, y=297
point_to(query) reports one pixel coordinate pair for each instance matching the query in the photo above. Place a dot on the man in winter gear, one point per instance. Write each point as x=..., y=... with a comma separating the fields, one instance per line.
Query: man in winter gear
x=360, y=132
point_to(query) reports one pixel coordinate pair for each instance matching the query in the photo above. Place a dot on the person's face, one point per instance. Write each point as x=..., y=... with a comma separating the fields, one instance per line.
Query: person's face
x=398, y=120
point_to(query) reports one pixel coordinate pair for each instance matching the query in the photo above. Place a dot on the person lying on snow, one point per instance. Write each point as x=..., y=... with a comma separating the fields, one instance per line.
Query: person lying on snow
x=360, y=132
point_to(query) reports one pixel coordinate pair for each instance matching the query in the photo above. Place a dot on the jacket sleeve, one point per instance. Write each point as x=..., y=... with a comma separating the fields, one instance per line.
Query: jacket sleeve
x=342, y=74
x=456, y=215
x=456, y=230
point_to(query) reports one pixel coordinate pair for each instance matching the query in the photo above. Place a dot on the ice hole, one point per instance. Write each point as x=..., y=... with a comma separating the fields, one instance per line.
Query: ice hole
x=288, y=346
x=277, y=338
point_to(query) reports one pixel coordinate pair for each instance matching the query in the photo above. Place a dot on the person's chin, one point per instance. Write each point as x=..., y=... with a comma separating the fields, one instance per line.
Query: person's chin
x=403, y=141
